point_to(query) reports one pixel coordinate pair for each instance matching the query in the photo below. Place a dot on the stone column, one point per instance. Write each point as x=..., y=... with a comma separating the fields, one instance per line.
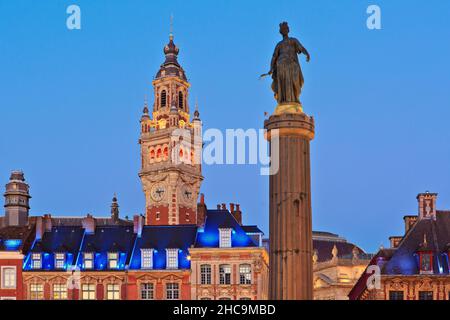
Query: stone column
x=291, y=270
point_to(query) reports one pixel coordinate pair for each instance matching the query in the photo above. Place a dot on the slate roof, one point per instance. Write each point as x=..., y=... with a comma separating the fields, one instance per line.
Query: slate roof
x=24, y=234
x=60, y=239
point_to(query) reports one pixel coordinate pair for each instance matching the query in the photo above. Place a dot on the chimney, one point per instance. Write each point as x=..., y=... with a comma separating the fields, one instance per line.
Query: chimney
x=427, y=205
x=395, y=241
x=231, y=207
x=88, y=224
x=201, y=211
x=218, y=207
x=138, y=224
x=237, y=214
x=224, y=206
x=39, y=228
x=114, y=209
x=409, y=222
x=47, y=222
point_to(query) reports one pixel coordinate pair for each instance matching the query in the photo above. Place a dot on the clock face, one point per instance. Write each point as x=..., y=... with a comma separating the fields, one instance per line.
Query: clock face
x=158, y=192
x=187, y=193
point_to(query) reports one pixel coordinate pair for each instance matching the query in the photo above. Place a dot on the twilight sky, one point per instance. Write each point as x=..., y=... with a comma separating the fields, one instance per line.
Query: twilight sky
x=70, y=102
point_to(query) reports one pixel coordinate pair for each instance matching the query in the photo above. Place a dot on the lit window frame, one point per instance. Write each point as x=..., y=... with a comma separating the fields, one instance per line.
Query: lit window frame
x=60, y=260
x=88, y=291
x=36, y=291
x=147, y=258
x=172, y=259
x=9, y=277
x=88, y=260
x=59, y=291
x=225, y=237
x=112, y=291
x=113, y=260
x=245, y=274
x=36, y=260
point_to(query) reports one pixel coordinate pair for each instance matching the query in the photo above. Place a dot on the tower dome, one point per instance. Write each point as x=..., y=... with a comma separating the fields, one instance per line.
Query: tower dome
x=171, y=67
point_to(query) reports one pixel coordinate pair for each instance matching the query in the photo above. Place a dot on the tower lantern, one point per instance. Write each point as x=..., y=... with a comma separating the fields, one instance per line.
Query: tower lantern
x=17, y=198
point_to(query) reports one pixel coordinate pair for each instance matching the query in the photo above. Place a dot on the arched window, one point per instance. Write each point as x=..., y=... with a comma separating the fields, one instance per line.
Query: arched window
x=163, y=98
x=166, y=152
x=152, y=154
x=158, y=153
x=180, y=100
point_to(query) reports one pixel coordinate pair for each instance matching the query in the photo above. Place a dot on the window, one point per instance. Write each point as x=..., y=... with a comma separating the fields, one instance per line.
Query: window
x=225, y=274
x=205, y=274
x=225, y=238
x=425, y=295
x=180, y=100
x=88, y=260
x=36, y=262
x=8, y=276
x=88, y=291
x=60, y=260
x=172, y=291
x=147, y=292
x=224, y=298
x=426, y=262
x=113, y=291
x=36, y=291
x=59, y=291
x=245, y=274
x=172, y=258
x=396, y=295
x=147, y=258
x=113, y=260
x=163, y=98
x=245, y=298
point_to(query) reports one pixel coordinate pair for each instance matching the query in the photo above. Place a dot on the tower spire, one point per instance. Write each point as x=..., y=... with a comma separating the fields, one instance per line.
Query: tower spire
x=171, y=27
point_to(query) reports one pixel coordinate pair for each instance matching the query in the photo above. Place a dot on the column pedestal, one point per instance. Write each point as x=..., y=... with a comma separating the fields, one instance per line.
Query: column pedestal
x=291, y=270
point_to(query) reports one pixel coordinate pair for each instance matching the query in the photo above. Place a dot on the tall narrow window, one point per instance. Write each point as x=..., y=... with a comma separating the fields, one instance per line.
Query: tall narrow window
x=172, y=291
x=147, y=291
x=225, y=274
x=88, y=291
x=225, y=238
x=36, y=262
x=36, y=291
x=113, y=260
x=172, y=258
x=147, y=258
x=426, y=262
x=88, y=260
x=60, y=260
x=163, y=98
x=180, y=100
x=113, y=291
x=59, y=291
x=8, y=277
x=205, y=274
x=245, y=274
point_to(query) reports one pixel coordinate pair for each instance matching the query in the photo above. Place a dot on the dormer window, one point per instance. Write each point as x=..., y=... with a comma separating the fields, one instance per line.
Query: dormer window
x=36, y=261
x=88, y=260
x=426, y=262
x=60, y=260
x=225, y=238
x=147, y=258
x=113, y=260
x=172, y=258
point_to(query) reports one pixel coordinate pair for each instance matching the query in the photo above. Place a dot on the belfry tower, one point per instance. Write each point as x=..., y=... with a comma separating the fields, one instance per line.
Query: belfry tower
x=171, y=147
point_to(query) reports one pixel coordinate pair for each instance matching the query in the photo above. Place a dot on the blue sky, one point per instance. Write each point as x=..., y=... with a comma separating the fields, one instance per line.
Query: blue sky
x=70, y=102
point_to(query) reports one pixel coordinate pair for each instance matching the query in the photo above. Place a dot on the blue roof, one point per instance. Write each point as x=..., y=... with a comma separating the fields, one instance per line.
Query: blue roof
x=60, y=239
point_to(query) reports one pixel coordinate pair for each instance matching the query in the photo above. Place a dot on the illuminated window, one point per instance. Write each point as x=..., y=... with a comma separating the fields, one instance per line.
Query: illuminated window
x=60, y=260
x=88, y=260
x=163, y=98
x=245, y=274
x=36, y=261
x=225, y=238
x=172, y=258
x=113, y=260
x=172, y=291
x=36, y=291
x=426, y=262
x=113, y=291
x=225, y=274
x=9, y=279
x=147, y=291
x=147, y=258
x=205, y=274
x=425, y=295
x=60, y=291
x=396, y=295
x=88, y=291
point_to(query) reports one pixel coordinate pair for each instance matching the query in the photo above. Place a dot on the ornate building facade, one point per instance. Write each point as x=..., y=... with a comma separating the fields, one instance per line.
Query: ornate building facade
x=179, y=249
x=416, y=266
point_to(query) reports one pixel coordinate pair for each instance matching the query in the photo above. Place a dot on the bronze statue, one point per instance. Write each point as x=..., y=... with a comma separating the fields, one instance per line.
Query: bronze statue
x=285, y=69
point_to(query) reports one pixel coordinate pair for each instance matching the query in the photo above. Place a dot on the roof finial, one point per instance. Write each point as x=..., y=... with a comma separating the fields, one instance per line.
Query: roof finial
x=171, y=27
x=145, y=110
x=196, y=113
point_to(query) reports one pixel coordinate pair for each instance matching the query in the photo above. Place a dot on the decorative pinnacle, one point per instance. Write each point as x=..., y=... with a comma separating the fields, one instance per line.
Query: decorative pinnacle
x=171, y=27
x=196, y=113
x=145, y=111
